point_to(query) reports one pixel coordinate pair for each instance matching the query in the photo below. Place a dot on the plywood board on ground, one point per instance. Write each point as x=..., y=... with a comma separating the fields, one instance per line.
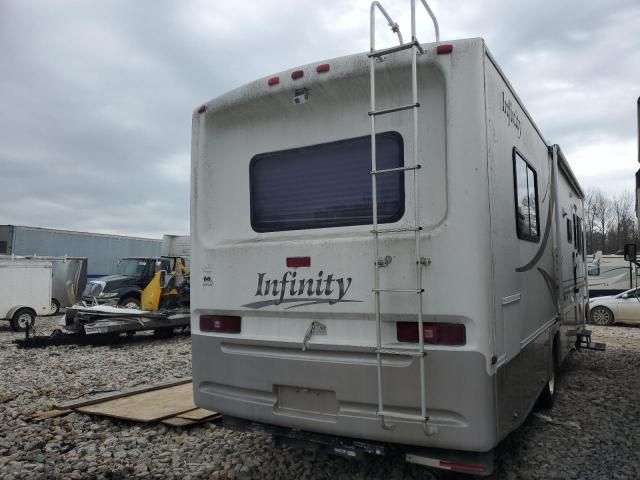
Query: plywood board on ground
x=81, y=402
x=148, y=406
x=49, y=414
x=179, y=422
x=198, y=414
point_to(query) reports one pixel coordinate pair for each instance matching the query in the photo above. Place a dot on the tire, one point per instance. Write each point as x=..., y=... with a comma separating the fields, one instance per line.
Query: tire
x=21, y=319
x=55, y=307
x=601, y=316
x=548, y=396
x=130, y=302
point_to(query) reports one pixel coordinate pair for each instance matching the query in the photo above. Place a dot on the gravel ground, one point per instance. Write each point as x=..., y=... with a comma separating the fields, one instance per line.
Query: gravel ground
x=592, y=432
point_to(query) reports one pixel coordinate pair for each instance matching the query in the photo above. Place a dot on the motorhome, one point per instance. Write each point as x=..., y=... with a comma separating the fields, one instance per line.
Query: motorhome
x=333, y=208
x=610, y=274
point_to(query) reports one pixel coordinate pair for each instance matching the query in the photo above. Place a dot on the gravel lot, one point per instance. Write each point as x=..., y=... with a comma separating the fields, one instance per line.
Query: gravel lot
x=592, y=432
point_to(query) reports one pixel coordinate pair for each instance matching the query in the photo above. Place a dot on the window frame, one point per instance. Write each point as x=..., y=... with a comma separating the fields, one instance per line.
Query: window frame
x=397, y=136
x=515, y=153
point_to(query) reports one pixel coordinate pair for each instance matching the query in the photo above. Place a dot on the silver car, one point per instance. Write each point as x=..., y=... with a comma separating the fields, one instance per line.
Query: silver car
x=624, y=307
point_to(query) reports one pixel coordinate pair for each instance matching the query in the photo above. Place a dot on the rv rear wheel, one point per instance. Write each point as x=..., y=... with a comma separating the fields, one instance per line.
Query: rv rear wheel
x=55, y=306
x=548, y=395
x=22, y=319
x=601, y=316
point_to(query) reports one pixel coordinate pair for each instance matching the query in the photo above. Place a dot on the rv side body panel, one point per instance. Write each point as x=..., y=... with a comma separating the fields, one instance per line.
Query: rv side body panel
x=264, y=373
x=572, y=285
x=526, y=277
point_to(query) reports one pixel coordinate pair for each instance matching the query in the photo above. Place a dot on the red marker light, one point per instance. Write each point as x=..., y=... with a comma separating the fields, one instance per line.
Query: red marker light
x=324, y=67
x=273, y=81
x=444, y=49
x=202, y=109
x=297, y=262
x=220, y=323
x=297, y=74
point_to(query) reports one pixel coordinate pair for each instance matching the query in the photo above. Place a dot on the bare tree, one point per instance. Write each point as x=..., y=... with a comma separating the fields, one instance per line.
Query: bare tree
x=590, y=217
x=621, y=218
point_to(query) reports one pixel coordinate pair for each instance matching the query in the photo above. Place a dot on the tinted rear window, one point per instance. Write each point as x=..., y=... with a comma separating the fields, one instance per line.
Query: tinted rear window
x=326, y=185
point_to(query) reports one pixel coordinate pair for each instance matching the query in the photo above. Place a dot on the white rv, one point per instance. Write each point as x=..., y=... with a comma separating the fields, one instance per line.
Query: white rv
x=316, y=308
x=610, y=274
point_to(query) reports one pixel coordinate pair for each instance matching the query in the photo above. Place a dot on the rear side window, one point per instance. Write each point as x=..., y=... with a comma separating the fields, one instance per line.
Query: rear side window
x=326, y=185
x=526, y=198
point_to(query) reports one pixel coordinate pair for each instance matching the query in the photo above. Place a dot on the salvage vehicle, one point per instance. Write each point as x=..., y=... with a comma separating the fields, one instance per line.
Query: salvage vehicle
x=125, y=286
x=162, y=304
x=133, y=274
x=333, y=206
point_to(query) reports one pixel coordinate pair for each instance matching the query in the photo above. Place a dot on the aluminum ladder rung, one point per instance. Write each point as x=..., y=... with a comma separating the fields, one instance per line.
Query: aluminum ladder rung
x=399, y=290
x=398, y=351
x=396, y=169
x=397, y=48
x=397, y=230
x=402, y=416
x=384, y=111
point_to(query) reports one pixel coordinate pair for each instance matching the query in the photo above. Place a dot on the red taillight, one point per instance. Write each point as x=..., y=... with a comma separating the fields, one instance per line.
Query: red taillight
x=297, y=74
x=433, y=333
x=324, y=67
x=220, y=323
x=273, y=81
x=297, y=262
x=444, y=49
x=202, y=109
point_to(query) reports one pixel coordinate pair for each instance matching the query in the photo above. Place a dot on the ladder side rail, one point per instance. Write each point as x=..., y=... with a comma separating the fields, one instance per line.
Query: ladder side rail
x=416, y=212
x=372, y=29
x=374, y=199
x=433, y=18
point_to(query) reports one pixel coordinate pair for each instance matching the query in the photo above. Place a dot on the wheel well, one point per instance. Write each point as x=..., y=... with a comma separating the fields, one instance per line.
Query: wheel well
x=15, y=310
x=125, y=297
x=29, y=309
x=130, y=294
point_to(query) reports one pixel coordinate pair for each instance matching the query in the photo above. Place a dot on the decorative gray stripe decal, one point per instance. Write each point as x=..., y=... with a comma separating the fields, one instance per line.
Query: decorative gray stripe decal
x=300, y=301
x=551, y=285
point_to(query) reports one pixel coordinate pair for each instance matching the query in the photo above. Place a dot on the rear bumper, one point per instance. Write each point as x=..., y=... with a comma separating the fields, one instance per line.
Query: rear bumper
x=335, y=392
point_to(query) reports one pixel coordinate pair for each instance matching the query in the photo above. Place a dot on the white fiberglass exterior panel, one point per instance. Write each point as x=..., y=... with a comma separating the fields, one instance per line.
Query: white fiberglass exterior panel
x=257, y=119
x=25, y=283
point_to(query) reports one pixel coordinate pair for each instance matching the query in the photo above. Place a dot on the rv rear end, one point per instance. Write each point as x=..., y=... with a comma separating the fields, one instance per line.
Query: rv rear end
x=283, y=313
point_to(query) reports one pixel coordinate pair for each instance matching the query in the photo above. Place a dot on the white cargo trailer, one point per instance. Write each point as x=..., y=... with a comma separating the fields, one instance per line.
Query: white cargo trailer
x=25, y=290
x=332, y=287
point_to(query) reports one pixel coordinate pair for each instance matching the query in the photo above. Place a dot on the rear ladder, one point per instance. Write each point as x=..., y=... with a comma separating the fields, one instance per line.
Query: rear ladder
x=414, y=170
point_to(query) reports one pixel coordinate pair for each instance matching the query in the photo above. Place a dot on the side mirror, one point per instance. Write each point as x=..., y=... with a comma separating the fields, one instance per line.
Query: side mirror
x=630, y=252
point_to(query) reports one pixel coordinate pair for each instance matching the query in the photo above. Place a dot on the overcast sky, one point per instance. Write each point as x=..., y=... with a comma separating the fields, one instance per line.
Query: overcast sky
x=96, y=97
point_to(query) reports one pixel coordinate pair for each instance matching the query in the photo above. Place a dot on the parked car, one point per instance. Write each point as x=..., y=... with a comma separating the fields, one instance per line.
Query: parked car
x=624, y=307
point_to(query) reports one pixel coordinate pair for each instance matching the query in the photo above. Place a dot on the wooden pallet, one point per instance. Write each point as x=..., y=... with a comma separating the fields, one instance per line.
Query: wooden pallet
x=168, y=402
